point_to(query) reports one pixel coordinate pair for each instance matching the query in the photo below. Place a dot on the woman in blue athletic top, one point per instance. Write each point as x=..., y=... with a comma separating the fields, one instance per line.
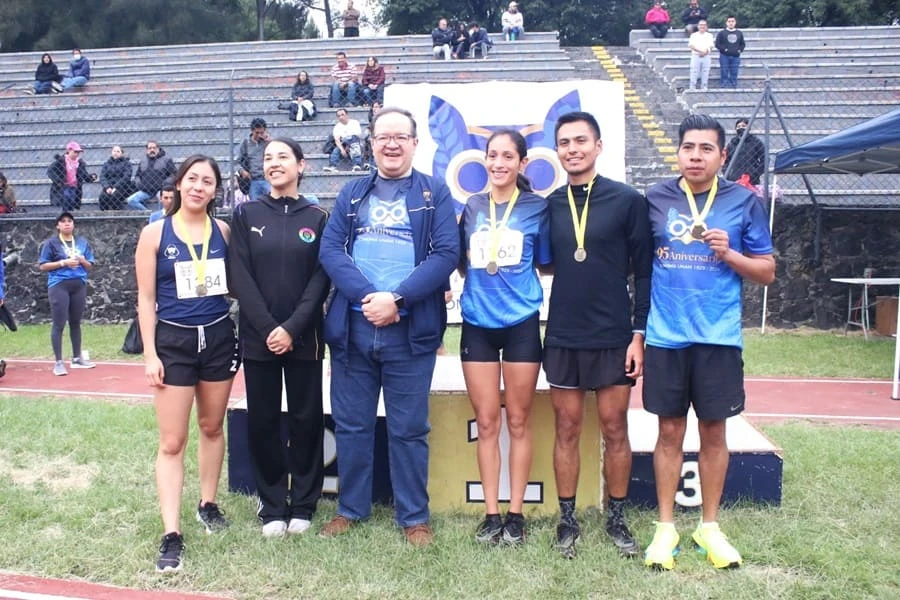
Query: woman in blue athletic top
x=67, y=259
x=190, y=343
x=504, y=235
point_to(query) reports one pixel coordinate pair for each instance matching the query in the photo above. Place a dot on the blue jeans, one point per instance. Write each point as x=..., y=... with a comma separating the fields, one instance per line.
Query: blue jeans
x=379, y=359
x=70, y=82
x=43, y=87
x=370, y=96
x=513, y=33
x=137, y=199
x=259, y=188
x=354, y=153
x=335, y=99
x=728, y=70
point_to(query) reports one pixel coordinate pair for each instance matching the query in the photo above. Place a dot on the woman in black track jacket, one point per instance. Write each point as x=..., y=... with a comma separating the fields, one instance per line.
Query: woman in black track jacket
x=276, y=276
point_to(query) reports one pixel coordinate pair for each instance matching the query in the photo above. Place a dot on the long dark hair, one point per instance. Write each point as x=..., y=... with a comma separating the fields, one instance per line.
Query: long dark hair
x=522, y=182
x=189, y=162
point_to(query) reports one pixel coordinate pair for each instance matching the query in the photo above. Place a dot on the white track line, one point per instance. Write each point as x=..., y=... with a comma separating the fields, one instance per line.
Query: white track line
x=826, y=417
x=31, y=596
x=791, y=380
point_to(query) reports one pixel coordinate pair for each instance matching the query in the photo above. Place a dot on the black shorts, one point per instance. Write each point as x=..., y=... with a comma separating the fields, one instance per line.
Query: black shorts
x=519, y=343
x=709, y=377
x=185, y=365
x=574, y=369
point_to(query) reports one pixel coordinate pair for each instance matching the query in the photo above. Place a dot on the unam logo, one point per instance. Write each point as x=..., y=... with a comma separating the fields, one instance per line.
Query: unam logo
x=459, y=158
x=172, y=252
x=679, y=227
x=307, y=235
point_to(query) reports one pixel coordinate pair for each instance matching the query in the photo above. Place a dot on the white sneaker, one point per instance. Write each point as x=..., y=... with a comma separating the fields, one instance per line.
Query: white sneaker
x=82, y=363
x=329, y=169
x=298, y=526
x=59, y=368
x=274, y=529
x=357, y=168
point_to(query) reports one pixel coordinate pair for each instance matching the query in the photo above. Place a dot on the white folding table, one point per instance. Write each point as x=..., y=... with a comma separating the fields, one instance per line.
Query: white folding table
x=866, y=282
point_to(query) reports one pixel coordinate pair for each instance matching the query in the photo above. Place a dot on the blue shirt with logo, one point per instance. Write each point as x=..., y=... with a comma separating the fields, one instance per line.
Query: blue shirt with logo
x=514, y=293
x=54, y=250
x=695, y=298
x=383, y=249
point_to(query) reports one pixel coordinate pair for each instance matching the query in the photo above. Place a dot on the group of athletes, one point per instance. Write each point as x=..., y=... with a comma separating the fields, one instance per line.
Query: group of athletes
x=385, y=254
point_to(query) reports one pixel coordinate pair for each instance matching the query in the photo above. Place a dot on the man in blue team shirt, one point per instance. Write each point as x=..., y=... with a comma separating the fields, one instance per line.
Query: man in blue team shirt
x=709, y=235
x=389, y=247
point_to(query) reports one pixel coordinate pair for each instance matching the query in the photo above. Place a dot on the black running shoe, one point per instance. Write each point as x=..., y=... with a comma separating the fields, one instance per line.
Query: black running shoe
x=625, y=543
x=211, y=517
x=566, y=536
x=170, y=551
x=490, y=530
x=2, y=367
x=514, y=530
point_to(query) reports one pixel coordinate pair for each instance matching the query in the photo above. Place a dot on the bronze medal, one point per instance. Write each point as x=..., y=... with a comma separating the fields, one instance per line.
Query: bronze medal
x=201, y=290
x=580, y=255
x=698, y=231
x=492, y=268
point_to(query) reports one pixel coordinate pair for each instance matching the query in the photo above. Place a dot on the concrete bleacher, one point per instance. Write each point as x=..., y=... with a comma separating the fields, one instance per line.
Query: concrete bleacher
x=186, y=97
x=823, y=80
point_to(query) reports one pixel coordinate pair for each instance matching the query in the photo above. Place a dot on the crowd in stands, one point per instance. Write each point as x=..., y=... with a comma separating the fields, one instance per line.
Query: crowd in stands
x=464, y=41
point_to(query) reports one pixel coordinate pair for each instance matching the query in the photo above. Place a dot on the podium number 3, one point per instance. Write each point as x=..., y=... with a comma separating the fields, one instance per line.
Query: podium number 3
x=690, y=485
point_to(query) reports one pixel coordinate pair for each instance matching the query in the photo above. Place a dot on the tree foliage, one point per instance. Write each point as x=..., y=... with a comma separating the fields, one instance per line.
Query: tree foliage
x=48, y=24
x=590, y=22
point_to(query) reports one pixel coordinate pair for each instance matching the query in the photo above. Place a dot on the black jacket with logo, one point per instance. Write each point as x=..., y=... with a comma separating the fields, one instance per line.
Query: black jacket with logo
x=274, y=272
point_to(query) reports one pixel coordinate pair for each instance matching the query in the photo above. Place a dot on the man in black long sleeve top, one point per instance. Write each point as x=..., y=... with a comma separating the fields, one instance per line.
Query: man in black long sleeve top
x=692, y=15
x=599, y=233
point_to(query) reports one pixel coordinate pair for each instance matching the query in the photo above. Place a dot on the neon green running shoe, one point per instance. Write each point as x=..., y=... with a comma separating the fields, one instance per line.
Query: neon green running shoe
x=661, y=552
x=712, y=543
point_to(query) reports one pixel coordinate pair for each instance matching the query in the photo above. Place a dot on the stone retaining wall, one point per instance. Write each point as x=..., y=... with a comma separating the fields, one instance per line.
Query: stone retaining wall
x=802, y=295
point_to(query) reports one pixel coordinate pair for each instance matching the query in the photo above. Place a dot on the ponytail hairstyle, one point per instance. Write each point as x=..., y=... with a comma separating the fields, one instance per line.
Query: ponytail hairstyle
x=522, y=182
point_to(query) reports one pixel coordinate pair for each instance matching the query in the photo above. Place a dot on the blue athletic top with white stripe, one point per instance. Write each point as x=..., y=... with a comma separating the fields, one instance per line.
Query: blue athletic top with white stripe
x=188, y=311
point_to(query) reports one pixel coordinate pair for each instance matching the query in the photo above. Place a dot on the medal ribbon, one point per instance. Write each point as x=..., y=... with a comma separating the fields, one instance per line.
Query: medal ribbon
x=495, y=228
x=70, y=253
x=700, y=218
x=199, y=263
x=580, y=226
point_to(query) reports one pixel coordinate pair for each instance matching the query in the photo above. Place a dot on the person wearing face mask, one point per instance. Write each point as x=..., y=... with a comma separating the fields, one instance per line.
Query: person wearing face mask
x=115, y=181
x=79, y=72
x=751, y=160
x=504, y=234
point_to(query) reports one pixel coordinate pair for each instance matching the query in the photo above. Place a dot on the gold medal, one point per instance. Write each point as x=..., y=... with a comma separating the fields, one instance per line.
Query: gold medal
x=580, y=223
x=698, y=217
x=492, y=268
x=199, y=263
x=201, y=290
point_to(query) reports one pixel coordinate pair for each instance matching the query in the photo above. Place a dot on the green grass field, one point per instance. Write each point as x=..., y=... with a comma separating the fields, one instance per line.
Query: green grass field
x=77, y=500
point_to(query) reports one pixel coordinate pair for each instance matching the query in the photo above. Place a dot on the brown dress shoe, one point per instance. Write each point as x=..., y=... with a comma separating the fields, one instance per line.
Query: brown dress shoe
x=419, y=535
x=338, y=525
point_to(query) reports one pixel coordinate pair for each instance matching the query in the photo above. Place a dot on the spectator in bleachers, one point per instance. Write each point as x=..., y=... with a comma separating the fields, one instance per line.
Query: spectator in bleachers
x=251, y=158
x=657, y=20
x=46, y=74
x=479, y=40
x=153, y=171
x=752, y=159
x=730, y=44
x=441, y=40
x=68, y=174
x=302, y=107
x=79, y=72
x=372, y=83
x=460, y=41
x=347, y=134
x=701, y=44
x=513, y=22
x=115, y=181
x=166, y=198
x=344, y=83
x=350, y=17
x=7, y=196
x=691, y=17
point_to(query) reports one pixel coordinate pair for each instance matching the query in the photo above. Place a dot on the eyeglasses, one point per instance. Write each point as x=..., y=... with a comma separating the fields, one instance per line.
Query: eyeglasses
x=383, y=138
